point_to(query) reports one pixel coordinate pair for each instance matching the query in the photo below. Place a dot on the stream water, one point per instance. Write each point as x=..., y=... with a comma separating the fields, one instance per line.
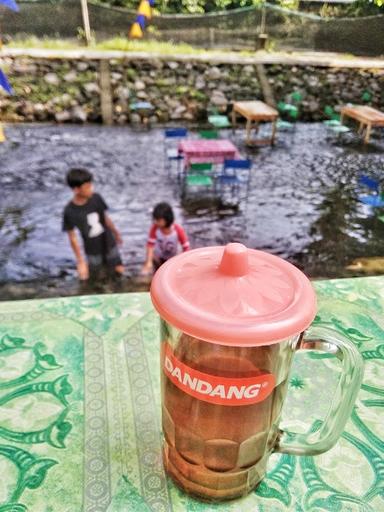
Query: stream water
x=302, y=203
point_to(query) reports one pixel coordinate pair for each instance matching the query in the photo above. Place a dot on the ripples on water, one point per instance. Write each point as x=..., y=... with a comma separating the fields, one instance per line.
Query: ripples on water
x=301, y=206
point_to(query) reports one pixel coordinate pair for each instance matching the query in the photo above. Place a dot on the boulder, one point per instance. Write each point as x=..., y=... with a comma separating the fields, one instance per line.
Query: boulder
x=92, y=88
x=139, y=85
x=214, y=73
x=218, y=98
x=71, y=76
x=51, y=79
x=78, y=114
x=63, y=116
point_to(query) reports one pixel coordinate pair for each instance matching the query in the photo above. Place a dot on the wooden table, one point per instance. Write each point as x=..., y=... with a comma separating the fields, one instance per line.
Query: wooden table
x=207, y=150
x=367, y=117
x=255, y=111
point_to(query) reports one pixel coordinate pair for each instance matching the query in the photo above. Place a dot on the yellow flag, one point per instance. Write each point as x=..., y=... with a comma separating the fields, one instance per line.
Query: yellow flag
x=136, y=32
x=2, y=135
x=145, y=9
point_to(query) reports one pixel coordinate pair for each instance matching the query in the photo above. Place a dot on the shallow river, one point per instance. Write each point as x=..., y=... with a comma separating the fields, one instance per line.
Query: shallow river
x=302, y=203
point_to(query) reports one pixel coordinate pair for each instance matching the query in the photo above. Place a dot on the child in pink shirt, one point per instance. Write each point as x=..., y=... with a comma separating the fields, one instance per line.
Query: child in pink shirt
x=164, y=238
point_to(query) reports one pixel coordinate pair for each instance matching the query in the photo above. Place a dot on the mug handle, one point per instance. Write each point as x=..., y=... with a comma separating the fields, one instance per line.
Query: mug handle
x=314, y=443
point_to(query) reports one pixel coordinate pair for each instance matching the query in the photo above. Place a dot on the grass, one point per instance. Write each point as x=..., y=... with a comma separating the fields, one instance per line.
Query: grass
x=149, y=46
x=117, y=43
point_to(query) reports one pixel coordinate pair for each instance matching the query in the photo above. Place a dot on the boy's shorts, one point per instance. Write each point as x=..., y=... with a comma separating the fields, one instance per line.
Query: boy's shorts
x=110, y=260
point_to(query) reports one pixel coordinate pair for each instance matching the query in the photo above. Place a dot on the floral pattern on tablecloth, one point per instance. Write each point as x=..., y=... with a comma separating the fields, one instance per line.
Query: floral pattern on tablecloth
x=80, y=410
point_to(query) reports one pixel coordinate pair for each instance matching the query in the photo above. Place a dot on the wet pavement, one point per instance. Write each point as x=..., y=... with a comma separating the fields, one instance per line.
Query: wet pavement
x=302, y=201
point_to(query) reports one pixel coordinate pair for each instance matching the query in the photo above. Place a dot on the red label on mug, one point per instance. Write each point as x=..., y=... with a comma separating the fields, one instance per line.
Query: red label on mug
x=214, y=389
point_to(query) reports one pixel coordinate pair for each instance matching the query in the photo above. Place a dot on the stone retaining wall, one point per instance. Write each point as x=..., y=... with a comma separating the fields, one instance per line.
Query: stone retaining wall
x=68, y=90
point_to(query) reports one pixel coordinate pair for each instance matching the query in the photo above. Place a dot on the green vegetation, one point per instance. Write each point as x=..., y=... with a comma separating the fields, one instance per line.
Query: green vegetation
x=357, y=8
x=117, y=43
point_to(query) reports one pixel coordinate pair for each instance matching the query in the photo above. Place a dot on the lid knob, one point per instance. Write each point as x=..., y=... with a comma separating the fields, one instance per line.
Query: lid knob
x=234, y=261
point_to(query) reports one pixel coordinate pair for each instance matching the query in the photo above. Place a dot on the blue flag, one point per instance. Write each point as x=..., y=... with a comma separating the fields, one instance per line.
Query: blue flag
x=152, y=3
x=11, y=4
x=4, y=83
x=140, y=18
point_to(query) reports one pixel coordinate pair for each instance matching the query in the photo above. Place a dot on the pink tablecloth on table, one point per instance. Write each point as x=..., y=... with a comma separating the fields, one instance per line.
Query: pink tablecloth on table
x=211, y=150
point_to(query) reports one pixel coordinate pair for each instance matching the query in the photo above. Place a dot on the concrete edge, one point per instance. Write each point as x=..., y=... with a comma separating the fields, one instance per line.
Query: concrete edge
x=310, y=59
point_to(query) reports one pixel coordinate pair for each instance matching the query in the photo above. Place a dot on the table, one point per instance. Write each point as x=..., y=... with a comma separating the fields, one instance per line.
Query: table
x=368, y=117
x=207, y=150
x=255, y=111
x=79, y=410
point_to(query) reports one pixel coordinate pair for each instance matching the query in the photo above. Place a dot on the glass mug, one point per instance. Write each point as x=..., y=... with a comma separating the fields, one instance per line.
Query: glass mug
x=223, y=391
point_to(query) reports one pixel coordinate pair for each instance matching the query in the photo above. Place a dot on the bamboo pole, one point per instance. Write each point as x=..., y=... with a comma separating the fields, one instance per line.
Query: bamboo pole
x=86, y=24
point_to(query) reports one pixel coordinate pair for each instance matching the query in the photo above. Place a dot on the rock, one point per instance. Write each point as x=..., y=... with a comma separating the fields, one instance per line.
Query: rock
x=178, y=112
x=123, y=93
x=52, y=79
x=153, y=120
x=218, y=98
x=173, y=65
x=313, y=106
x=172, y=104
x=142, y=95
x=135, y=118
x=214, y=73
x=38, y=108
x=63, y=116
x=71, y=76
x=116, y=76
x=65, y=99
x=82, y=66
x=139, y=85
x=188, y=116
x=92, y=88
x=78, y=114
x=200, y=83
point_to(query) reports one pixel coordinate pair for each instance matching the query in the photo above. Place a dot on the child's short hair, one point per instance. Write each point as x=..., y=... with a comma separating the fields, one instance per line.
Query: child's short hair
x=77, y=177
x=164, y=211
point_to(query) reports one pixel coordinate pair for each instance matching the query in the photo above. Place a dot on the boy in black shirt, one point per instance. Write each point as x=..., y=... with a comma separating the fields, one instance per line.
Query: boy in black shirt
x=87, y=212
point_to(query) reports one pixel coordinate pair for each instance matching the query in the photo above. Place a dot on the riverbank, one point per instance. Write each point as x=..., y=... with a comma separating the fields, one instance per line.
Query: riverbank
x=91, y=85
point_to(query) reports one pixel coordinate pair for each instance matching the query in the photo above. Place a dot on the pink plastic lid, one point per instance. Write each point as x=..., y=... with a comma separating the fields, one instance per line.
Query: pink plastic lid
x=233, y=296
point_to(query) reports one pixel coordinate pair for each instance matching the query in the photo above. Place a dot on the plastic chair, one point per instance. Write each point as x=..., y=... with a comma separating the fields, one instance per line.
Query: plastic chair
x=284, y=126
x=209, y=134
x=219, y=121
x=376, y=201
x=289, y=109
x=235, y=175
x=369, y=183
x=144, y=109
x=333, y=123
x=172, y=137
x=199, y=175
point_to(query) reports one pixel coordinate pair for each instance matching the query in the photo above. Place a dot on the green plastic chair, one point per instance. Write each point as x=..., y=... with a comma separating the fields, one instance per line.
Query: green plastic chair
x=199, y=175
x=340, y=129
x=296, y=97
x=333, y=117
x=209, y=134
x=333, y=123
x=287, y=108
x=284, y=125
x=219, y=121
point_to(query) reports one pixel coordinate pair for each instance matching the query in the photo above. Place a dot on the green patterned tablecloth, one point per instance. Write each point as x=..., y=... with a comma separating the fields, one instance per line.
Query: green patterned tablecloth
x=79, y=410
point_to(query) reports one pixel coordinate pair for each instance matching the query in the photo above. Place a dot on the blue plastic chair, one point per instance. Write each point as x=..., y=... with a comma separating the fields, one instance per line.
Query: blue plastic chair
x=235, y=174
x=369, y=182
x=172, y=136
x=375, y=201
